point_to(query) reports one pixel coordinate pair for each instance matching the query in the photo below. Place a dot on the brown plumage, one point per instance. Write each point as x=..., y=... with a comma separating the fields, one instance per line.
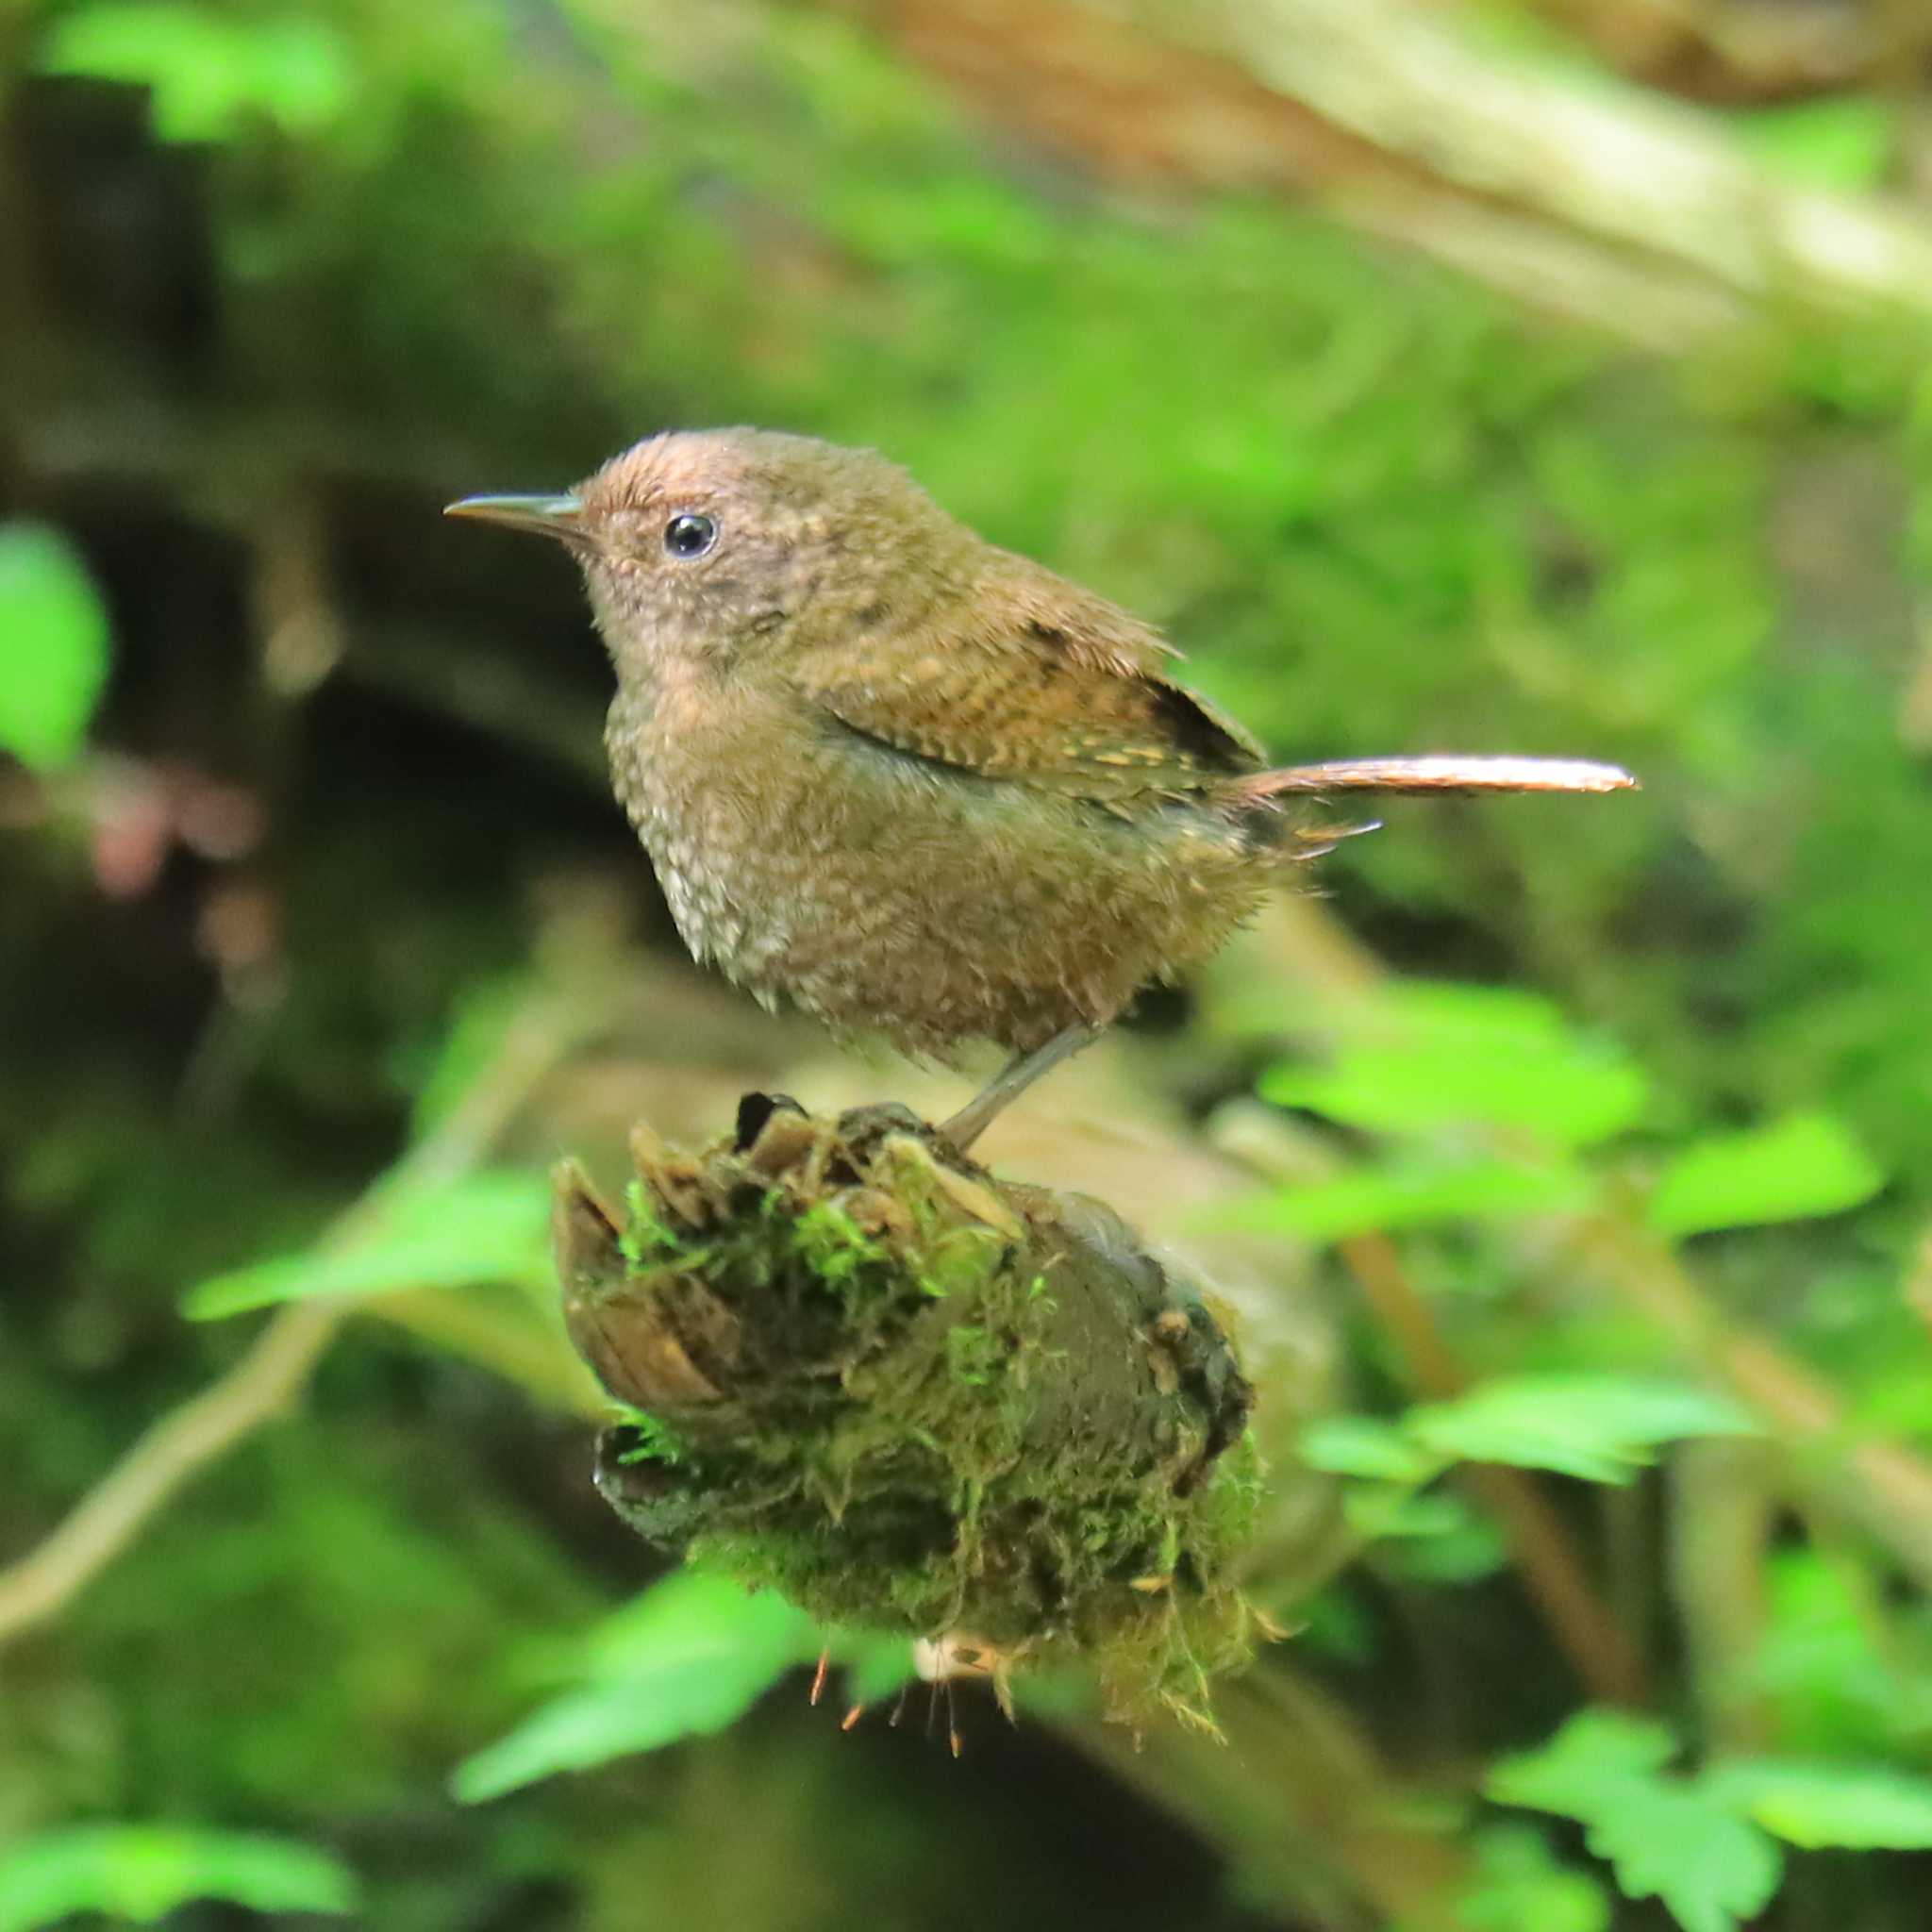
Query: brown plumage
x=917, y=784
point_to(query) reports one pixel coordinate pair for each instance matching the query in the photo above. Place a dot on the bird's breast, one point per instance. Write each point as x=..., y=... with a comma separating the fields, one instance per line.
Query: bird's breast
x=689, y=777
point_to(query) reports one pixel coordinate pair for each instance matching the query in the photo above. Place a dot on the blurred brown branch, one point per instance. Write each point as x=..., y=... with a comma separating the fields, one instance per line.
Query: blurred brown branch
x=1299, y=1797
x=1580, y=1622
x=1747, y=50
x=1884, y=1486
x=1633, y=213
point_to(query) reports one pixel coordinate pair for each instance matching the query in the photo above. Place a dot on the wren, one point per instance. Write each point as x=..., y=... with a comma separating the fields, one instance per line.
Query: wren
x=916, y=784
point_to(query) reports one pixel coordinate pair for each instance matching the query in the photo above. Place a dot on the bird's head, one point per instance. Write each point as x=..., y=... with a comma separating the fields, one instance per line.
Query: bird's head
x=726, y=545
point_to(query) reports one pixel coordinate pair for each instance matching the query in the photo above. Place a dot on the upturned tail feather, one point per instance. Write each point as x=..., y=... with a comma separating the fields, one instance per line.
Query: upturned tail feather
x=1434, y=775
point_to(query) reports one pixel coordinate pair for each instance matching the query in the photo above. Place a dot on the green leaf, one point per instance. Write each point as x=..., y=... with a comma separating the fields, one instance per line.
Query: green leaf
x=1394, y=1511
x=489, y=1227
x=687, y=1658
x=1675, y=1842
x=1664, y=1837
x=145, y=1872
x=470, y=1046
x=1426, y=1057
x=209, y=72
x=1367, y=1446
x=1519, y=1887
x=1802, y=1165
x=1601, y=1428
x=1847, y=141
x=1585, y=1765
x=53, y=646
x=1411, y=1191
x=1431, y=1539
x=1837, y=1685
x=1850, y=1807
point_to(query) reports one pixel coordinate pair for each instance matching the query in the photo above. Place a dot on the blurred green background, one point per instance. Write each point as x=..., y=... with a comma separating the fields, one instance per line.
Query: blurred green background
x=1518, y=377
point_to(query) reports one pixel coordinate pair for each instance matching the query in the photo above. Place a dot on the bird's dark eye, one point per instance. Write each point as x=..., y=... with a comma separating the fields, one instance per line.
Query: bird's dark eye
x=689, y=535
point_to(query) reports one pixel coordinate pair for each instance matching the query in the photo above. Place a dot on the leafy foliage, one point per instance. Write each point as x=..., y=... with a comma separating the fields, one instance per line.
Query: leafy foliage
x=1854, y=1807
x=1837, y=1675
x=53, y=645
x=1703, y=1844
x=1424, y=1064
x=1668, y=1838
x=1366, y=1446
x=209, y=72
x=1806, y=1164
x=1519, y=1883
x=686, y=1658
x=1435, y=1538
x=1418, y=1191
x=1846, y=143
x=144, y=1872
x=1600, y=1427
x=1430, y=1056
x=492, y=1226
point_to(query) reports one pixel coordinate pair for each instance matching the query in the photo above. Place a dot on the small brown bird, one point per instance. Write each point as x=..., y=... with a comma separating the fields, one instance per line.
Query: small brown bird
x=917, y=784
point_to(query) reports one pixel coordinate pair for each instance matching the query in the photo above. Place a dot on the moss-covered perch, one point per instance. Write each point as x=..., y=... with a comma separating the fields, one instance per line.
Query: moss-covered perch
x=912, y=1398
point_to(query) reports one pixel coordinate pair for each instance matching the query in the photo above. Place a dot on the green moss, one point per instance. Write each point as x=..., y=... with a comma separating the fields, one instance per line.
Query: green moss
x=645, y=1240
x=650, y=1440
x=971, y=1354
x=960, y=1260
x=879, y=1408
x=831, y=1249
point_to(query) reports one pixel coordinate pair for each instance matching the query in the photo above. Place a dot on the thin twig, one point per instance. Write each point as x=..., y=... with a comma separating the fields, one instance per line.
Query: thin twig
x=109, y=1516
x=279, y=1362
x=1721, y=1528
x=1886, y=1485
x=1582, y=1624
x=1298, y=1795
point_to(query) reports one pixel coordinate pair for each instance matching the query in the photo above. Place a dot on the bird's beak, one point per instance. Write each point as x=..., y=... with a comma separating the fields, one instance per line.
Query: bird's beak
x=550, y=516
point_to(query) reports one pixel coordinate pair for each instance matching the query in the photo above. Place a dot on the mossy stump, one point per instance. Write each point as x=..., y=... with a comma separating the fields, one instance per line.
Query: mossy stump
x=915, y=1398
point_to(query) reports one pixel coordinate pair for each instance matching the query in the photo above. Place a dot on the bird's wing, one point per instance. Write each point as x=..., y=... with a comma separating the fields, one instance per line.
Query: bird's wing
x=1051, y=685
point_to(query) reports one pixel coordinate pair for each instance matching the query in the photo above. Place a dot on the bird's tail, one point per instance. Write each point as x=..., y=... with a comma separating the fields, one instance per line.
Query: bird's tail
x=1265, y=792
x=1447, y=772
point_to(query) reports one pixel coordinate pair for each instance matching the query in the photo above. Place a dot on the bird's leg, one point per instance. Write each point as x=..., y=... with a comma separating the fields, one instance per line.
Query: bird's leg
x=1020, y=1073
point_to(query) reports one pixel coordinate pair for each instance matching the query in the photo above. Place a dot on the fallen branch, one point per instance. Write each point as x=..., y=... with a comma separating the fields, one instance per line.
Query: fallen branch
x=1636, y=173
x=914, y=1398
x=1636, y=214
